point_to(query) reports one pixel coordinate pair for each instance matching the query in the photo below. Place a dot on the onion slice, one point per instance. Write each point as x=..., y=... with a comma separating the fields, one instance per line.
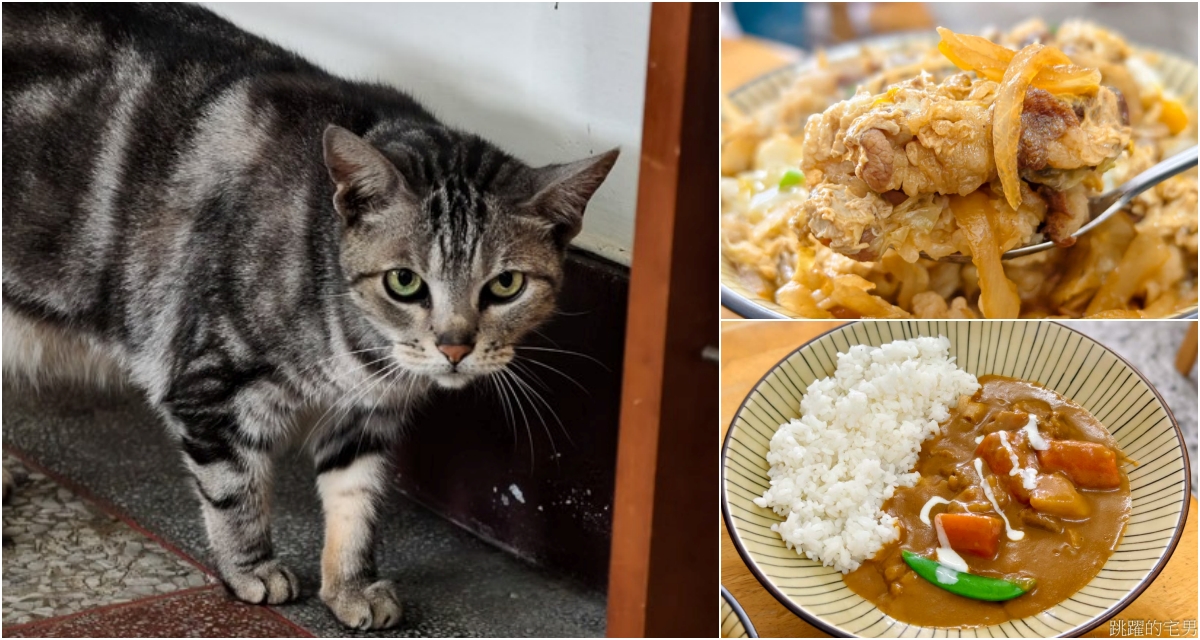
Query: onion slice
x=975, y=216
x=1006, y=114
x=990, y=60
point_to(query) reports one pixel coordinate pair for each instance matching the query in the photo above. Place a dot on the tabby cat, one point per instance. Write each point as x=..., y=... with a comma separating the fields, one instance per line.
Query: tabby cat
x=250, y=240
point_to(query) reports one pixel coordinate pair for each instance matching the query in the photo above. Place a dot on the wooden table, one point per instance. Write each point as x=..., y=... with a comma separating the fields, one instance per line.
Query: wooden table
x=748, y=350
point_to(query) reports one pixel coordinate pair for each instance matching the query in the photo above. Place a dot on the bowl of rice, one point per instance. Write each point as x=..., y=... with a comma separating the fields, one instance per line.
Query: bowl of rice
x=847, y=457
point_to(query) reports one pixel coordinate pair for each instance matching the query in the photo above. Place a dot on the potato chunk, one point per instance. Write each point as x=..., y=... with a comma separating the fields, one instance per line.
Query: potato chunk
x=1056, y=496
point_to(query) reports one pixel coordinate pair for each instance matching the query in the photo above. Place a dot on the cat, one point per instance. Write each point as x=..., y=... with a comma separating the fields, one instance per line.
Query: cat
x=248, y=240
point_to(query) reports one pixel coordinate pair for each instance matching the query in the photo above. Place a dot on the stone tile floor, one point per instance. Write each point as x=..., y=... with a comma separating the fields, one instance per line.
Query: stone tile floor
x=104, y=465
x=74, y=568
x=63, y=555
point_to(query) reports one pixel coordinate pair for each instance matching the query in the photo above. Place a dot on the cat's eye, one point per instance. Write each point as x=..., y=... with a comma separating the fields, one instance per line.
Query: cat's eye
x=404, y=285
x=506, y=285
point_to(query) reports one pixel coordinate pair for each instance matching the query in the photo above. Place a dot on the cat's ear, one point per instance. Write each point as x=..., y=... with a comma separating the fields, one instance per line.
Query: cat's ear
x=366, y=180
x=562, y=191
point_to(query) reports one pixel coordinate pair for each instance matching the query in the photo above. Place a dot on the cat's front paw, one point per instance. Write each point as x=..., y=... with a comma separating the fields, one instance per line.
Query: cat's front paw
x=373, y=606
x=268, y=583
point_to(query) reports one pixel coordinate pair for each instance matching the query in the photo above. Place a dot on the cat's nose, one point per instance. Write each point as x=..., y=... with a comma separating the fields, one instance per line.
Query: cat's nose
x=455, y=352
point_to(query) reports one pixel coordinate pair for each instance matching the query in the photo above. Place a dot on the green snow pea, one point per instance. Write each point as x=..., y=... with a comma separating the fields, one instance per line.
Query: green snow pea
x=966, y=584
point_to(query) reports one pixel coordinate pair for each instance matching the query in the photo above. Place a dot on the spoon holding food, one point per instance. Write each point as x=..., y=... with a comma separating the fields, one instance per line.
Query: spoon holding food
x=1103, y=206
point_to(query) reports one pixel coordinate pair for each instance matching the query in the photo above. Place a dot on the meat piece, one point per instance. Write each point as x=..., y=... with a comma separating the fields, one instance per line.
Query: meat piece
x=1067, y=211
x=894, y=569
x=1008, y=421
x=1044, y=119
x=969, y=500
x=1097, y=136
x=938, y=135
x=955, y=481
x=844, y=221
x=1041, y=520
x=1122, y=105
x=906, y=151
x=875, y=164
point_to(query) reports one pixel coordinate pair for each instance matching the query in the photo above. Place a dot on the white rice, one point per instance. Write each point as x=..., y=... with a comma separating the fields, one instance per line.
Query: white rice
x=857, y=440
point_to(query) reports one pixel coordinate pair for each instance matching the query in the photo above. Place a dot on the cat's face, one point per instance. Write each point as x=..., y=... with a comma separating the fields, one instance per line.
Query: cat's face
x=454, y=252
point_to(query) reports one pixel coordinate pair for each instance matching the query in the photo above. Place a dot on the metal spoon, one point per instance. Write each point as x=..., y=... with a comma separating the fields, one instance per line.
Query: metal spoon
x=1103, y=206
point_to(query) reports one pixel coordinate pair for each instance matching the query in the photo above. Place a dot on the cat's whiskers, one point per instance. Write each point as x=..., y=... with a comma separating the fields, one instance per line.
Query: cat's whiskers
x=575, y=382
x=566, y=352
x=379, y=398
x=530, y=390
x=508, y=417
x=379, y=379
x=347, y=400
x=541, y=383
x=521, y=387
x=346, y=354
x=547, y=338
x=517, y=402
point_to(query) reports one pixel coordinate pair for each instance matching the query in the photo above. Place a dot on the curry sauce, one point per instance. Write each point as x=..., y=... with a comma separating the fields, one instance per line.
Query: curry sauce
x=1062, y=551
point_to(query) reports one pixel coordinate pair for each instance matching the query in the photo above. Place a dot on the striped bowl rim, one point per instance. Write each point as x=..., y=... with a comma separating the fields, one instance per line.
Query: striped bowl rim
x=734, y=621
x=1179, y=76
x=1054, y=355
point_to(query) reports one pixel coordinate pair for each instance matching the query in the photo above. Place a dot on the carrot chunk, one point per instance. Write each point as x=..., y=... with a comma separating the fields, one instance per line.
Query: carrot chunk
x=993, y=453
x=971, y=533
x=1087, y=464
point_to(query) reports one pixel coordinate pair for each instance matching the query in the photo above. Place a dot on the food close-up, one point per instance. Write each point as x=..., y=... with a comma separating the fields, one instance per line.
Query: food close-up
x=944, y=174
x=983, y=479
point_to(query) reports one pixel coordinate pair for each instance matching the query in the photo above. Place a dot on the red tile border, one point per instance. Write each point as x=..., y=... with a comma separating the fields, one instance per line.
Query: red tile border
x=8, y=628
x=204, y=606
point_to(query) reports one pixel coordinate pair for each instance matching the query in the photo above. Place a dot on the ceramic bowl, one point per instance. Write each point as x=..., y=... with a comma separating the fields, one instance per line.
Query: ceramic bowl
x=1059, y=358
x=734, y=621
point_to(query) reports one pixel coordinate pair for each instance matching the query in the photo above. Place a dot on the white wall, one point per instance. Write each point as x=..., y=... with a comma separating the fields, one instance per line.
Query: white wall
x=547, y=82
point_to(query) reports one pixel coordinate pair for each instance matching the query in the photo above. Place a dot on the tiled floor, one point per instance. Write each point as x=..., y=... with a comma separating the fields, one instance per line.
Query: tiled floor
x=203, y=612
x=112, y=522
x=64, y=556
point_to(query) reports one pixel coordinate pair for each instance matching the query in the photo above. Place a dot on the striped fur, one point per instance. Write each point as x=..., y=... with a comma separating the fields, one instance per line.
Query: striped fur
x=208, y=217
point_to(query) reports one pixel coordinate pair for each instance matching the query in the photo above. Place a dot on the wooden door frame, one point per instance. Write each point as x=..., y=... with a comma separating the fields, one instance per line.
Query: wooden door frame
x=664, y=569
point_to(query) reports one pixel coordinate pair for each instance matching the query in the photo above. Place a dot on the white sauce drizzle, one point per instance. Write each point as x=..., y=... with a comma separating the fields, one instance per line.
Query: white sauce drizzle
x=945, y=574
x=1035, y=438
x=1012, y=534
x=948, y=556
x=929, y=505
x=1028, y=476
x=979, y=440
x=1012, y=456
